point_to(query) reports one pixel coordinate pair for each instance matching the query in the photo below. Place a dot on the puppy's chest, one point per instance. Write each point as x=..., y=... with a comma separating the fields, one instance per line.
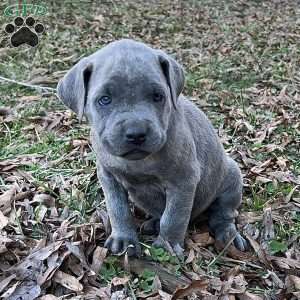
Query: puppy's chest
x=136, y=181
x=139, y=185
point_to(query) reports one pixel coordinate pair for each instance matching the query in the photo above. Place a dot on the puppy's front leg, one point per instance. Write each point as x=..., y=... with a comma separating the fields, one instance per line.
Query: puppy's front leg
x=176, y=217
x=123, y=229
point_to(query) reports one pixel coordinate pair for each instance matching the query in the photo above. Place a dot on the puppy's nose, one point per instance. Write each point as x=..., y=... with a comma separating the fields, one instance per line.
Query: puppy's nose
x=136, y=137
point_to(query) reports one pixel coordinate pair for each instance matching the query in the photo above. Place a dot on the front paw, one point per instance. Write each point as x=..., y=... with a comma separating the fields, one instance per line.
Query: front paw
x=174, y=248
x=225, y=234
x=119, y=243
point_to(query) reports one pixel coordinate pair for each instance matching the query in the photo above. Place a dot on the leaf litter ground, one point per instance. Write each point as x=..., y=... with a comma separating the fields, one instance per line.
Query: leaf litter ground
x=242, y=63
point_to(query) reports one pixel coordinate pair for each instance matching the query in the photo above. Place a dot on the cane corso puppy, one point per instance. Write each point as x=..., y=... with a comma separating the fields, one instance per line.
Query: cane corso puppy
x=153, y=147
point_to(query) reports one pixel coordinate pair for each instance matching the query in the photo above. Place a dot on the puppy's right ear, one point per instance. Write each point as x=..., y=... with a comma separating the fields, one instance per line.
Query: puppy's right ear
x=72, y=89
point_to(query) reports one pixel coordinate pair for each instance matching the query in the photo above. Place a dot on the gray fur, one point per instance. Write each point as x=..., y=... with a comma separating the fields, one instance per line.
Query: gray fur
x=183, y=170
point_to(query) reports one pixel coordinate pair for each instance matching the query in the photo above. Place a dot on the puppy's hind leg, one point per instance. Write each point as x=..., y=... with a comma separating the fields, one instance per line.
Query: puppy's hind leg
x=222, y=211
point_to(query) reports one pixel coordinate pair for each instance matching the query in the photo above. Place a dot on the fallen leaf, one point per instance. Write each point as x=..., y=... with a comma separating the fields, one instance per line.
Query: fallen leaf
x=98, y=258
x=45, y=199
x=289, y=196
x=30, y=98
x=10, y=291
x=54, y=261
x=268, y=232
x=248, y=296
x=78, y=252
x=191, y=256
x=285, y=263
x=194, y=286
x=27, y=290
x=6, y=199
x=48, y=297
x=259, y=251
x=68, y=281
x=5, y=282
x=3, y=220
x=164, y=295
x=116, y=281
x=292, y=283
x=202, y=239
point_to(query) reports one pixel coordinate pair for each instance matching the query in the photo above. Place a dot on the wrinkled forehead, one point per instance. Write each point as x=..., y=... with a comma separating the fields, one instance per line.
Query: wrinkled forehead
x=129, y=70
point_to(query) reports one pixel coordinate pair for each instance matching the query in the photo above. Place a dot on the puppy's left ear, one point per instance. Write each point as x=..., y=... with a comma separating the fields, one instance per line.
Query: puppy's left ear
x=72, y=89
x=173, y=72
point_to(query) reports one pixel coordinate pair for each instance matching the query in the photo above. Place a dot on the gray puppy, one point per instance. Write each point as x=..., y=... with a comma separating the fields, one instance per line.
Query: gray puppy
x=153, y=146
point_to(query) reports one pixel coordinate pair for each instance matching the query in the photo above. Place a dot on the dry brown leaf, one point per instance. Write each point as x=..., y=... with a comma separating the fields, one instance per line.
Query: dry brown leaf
x=45, y=252
x=54, y=261
x=42, y=80
x=285, y=177
x=194, y=286
x=28, y=269
x=41, y=212
x=259, y=251
x=164, y=295
x=3, y=220
x=45, y=199
x=202, y=239
x=30, y=98
x=191, y=256
x=68, y=281
x=116, y=281
x=80, y=143
x=289, y=196
x=156, y=284
x=101, y=215
x=285, y=263
x=268, y=232
x=248, y=296
x=54, y=123
x=48, y=297
x=98, y=258
x=248, y=217
x=259, y=169
x=233, y=252
x=27, y=290
x=238, y=285
x=6, y=199
x=78, y=252
x=10, y=291
x=103, y=293
x=292, y=283
x=5, y=282
x=276, y=281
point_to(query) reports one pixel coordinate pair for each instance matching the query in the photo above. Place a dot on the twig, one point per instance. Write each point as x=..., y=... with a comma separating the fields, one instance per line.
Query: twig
x=33, y=86
x=222, y=252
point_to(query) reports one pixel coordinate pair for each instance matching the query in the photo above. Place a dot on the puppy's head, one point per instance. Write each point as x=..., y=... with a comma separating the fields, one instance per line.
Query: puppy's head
x=127, y=91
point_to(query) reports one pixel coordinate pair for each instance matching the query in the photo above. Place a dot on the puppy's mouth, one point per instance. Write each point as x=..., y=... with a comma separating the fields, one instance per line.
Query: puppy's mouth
x=135, y=154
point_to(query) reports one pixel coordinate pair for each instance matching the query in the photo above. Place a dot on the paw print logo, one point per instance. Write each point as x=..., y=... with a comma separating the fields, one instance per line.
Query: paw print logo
x=24, y=32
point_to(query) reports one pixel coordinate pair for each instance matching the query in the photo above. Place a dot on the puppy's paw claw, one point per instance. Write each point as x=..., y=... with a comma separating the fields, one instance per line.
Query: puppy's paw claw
x=228, y=233
x=173, y=248
x=118, y=245
x=240, y=243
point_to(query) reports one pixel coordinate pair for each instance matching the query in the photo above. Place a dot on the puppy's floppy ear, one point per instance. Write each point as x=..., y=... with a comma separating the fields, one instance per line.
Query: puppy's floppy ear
x=174, y=75
x=72, y=89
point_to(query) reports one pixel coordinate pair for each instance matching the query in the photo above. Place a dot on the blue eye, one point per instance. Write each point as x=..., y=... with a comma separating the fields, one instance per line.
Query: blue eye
x=157, y=97
x=104, y=100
